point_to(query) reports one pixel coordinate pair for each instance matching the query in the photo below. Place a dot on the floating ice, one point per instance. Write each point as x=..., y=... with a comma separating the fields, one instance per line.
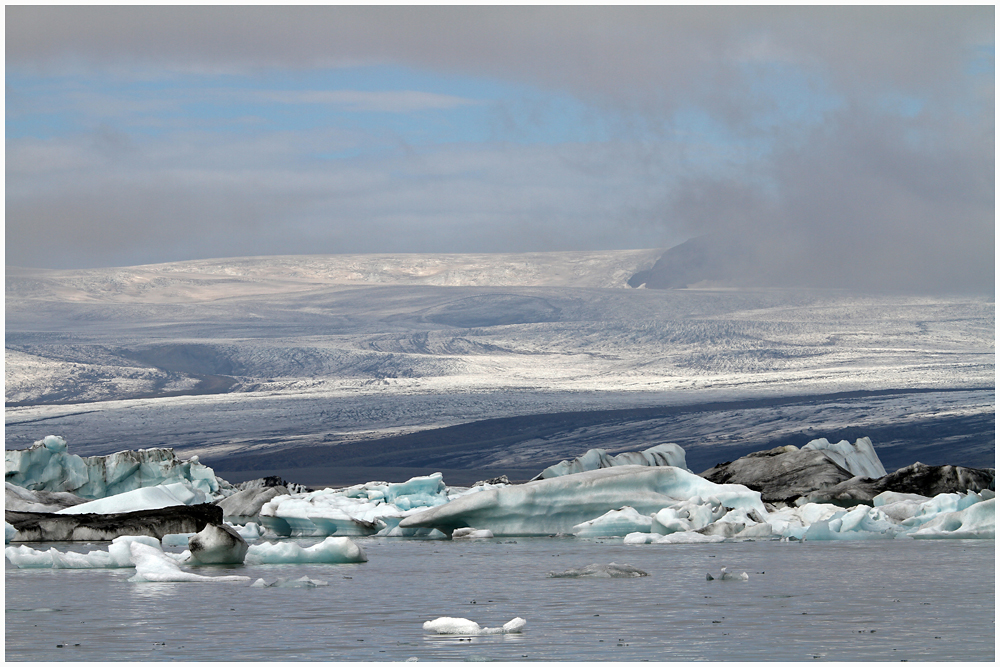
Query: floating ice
x=667, y=454
x=860, y=523
x=689, y=537
x=470, y=534
x=249, y=531
x=19, y=499
x=556, y=505
x=176, y=539
x=248, y=502
x=463, y=626
x=859, y=459
x=612, y=570
x=46, y=466
x=9, y=532
x=614, y=523
x=363, y=509
x=974, y=522
x=117, y=555
x=301, y=582
x=728, y=576
x=146, y=498
x=330, y=550
x=217, y=545
x=151, y=564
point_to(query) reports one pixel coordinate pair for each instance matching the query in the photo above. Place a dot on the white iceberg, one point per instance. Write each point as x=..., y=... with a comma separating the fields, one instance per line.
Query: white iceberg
x=977, y=521
x=618, y=522
x=330, y=550
x=689, y=537
x=118, y=555
x=556, y=505
x=151, y=564
x=859, y=459
x=860, y=523
x=146, y=498
x=363, y=509
x=20, y=499
x=46, y=466
x=463, y=626
x=667, y=454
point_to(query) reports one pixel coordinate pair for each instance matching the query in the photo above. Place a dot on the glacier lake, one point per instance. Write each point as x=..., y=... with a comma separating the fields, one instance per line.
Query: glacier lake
x=903, y=599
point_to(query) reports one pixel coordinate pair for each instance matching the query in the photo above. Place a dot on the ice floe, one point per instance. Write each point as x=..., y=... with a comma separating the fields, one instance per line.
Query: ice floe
x=330, y=550
x=611, y=570
x=151, y=564
x=724, y=575
x=446, y=625
x=471, y=534
x=301, y=582
x=217, y=544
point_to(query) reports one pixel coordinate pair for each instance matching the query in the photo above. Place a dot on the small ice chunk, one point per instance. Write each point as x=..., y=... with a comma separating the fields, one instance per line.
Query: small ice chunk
x=612, y=570
x=281, y=582
x=463, y=626
x=9, y=532
x=151, y=564
x=470, y=534
x=728, y=576
x=330, y=550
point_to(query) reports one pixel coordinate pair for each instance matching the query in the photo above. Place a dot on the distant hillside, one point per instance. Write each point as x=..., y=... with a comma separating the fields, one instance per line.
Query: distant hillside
x=206, y=280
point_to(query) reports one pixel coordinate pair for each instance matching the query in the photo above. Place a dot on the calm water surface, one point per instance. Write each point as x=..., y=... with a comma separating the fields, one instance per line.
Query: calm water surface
x=878, y=600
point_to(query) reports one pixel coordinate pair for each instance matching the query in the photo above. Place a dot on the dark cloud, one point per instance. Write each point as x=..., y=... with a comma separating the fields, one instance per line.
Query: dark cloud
x=856, y=193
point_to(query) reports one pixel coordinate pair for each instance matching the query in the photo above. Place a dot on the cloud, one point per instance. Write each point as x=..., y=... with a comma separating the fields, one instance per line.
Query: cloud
x=847, y=145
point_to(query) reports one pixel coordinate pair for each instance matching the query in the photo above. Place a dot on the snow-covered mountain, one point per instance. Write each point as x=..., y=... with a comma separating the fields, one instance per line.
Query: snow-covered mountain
x=240, y=357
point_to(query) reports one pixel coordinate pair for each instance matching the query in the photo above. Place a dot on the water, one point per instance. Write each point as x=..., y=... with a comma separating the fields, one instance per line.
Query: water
x=876, y=600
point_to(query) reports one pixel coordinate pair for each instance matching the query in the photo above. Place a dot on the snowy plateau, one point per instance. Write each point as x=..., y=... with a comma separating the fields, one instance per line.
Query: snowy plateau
x=344, y=369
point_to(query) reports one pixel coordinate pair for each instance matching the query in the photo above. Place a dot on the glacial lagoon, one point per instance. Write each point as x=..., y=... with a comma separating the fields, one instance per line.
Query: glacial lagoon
x=902, y=599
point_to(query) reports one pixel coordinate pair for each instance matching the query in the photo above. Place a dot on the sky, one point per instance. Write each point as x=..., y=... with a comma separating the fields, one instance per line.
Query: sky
x=849, y=146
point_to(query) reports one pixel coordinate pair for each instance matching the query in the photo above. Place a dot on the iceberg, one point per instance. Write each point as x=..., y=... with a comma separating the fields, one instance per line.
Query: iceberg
x=615, y=523
x=146, y=498
x=859, y=459
x=19, y=499
x=118, y=555
x=249, y=501
x=977, y=521
x=463, y=626
x=555, y=505
x=728, y=576
x=47, y=466
x=217, y=544
x=860, y=523
x=363, y=509
x=9, y=532
x=667, y=454
x=330, y=550
x=151, y=564
x=611, y=570
x=43, y=527
x=689, y=537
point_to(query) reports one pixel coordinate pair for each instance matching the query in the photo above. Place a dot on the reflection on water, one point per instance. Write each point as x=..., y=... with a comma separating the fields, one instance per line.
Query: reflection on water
x=891, y=600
